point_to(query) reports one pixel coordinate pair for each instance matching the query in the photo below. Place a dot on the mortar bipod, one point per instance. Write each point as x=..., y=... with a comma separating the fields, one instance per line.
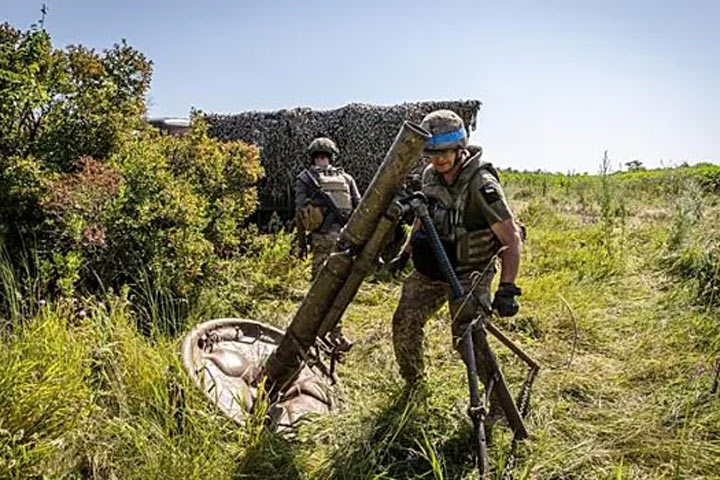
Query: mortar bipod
x=476, y=332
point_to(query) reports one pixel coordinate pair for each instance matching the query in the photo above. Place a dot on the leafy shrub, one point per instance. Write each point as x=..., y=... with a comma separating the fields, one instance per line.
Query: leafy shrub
x=58, y=105
x=102, y=198
x=59, y=109
x=160, y=211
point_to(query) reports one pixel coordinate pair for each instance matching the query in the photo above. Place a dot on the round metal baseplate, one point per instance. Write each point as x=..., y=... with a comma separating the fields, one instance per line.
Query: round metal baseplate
x=224, y=358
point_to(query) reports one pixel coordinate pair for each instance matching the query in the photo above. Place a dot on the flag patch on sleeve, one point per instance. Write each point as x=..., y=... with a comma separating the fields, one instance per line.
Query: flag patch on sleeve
x=490, y=193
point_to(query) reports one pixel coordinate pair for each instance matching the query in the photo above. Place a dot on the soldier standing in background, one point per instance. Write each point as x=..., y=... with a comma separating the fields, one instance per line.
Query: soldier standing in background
x=469, y=210
x=325, y=197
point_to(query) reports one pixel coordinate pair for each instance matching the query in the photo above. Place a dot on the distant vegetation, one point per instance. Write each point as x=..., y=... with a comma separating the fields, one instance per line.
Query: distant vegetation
x=121, y=228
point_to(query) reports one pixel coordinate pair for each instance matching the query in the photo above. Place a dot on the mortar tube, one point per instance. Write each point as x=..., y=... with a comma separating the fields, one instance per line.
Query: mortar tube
x=399, y=160
x=285, y=362
x=362, y=265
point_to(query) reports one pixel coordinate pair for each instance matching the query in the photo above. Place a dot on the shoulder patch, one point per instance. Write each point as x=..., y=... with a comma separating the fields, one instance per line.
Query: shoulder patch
x=490, y=193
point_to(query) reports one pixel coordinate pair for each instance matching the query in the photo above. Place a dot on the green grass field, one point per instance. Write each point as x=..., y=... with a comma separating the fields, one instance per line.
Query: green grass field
x=619, y=278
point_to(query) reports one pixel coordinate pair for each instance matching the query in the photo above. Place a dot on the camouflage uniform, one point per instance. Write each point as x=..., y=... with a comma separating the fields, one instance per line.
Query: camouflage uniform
x=323, y=238
x=321, y=245
x=462, y=213
x=325, y=196
x=422, y=295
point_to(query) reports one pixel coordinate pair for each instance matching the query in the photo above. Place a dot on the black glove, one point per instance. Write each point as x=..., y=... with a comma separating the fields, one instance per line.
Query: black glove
x=504, y=301
x=398, y=264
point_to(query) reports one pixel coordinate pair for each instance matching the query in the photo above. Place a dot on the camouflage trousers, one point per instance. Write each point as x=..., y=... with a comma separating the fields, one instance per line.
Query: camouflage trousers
x=321, y=246
x=421, y=297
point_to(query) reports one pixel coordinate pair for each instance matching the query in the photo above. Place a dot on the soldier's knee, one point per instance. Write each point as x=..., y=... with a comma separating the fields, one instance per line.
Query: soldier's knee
x=403, y=316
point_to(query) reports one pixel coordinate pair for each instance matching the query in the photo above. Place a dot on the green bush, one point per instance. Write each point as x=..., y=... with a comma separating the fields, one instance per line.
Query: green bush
x=162, y=208
x=58, y=105
x=99, y=197
x=59, y=108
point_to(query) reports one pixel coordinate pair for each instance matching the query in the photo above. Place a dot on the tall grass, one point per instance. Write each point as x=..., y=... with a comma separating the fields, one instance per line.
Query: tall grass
x=94, y=396
x=23, y=285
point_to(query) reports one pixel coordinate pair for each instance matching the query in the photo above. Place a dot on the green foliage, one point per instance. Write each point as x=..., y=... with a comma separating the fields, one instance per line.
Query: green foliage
x=183, y=205
x=59, y=109
x=103, y=199
x=84, y=393
x=622, y=391
x=264, y=283
x=692, y=254
x=58, y=105
x=44, y=399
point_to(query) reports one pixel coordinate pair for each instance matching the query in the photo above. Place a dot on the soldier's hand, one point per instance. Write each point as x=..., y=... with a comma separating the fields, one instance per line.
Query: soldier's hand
x=398, y=264
x=504, y=302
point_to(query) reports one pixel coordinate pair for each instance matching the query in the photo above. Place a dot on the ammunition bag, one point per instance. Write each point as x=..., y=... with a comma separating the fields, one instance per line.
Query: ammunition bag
x=424, y=258
x=310, y=218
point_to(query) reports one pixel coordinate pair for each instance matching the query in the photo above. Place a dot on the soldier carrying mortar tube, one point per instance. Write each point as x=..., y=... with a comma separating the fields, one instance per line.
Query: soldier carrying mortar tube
x=470, y=212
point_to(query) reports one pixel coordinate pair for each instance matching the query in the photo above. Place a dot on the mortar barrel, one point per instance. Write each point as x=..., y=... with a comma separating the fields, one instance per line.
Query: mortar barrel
x=361, y=267
x=284, y=364
x=404, y=152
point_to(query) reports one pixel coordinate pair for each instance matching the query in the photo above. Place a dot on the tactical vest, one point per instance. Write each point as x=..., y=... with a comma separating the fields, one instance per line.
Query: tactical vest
x=474, y=247
x=329, y=189
x=333, y=182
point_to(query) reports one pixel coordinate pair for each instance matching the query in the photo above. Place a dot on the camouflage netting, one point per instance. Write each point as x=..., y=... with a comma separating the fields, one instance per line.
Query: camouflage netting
x=363, y=133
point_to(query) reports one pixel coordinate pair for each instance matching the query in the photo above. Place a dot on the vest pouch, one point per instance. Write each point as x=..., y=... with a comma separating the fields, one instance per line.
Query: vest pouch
x=442, y=220
x=476, y=248
x=462, y=249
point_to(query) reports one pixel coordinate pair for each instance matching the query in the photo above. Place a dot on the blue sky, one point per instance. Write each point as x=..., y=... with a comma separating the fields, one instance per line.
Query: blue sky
x=560, y=80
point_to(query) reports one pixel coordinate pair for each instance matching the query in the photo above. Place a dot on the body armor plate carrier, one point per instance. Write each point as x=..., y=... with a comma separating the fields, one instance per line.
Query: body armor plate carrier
x=329, y=189
x=473, y=248
x=333, y=182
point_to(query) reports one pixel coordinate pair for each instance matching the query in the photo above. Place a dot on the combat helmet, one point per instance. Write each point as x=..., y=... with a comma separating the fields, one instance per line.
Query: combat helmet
x=323, y=145
x=447, y=129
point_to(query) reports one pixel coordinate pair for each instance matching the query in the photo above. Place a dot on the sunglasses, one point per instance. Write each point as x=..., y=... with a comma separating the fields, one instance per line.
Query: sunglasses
x=427, y=155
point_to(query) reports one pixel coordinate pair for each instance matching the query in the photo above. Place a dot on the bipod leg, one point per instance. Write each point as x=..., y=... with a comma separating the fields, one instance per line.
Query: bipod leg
x=523, y=398
x=468, y=347
x=523, y=404
x=500, y=335
x=477, y=410
x=503, y=392
x=484, y=467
